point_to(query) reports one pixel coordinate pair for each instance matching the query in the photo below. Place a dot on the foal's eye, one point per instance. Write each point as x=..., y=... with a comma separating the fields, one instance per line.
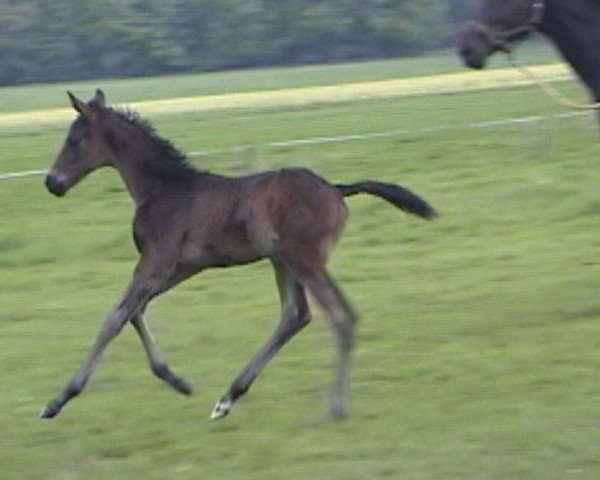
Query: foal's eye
x=73, y=141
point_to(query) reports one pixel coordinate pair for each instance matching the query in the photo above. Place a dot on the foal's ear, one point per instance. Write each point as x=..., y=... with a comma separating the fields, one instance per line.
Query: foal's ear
x=77, y=104
x=99, y=98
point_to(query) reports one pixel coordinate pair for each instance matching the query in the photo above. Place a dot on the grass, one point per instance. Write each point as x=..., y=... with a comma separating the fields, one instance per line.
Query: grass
x=478, y=348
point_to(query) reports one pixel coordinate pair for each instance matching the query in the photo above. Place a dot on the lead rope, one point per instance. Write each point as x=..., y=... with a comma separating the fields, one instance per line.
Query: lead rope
x=548, y=89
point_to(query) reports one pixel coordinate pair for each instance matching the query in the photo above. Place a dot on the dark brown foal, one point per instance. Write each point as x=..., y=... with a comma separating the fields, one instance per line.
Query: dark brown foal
x=186, y=221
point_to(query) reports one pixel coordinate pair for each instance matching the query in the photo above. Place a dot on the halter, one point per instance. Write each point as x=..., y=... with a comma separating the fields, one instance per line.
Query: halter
x=500, y=39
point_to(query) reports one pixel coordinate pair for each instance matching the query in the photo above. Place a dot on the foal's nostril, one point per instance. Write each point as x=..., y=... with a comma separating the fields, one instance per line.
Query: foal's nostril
x=55, y=186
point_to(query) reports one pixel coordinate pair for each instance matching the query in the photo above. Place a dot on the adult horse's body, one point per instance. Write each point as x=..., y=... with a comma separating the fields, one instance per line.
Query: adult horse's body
x=187, y=221
x=572, y=25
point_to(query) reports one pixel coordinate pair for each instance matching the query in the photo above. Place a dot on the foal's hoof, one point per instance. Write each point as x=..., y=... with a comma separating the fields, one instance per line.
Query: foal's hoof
x=49, y=411
x=162, y=371
x=338, y=411
x=221, y=409
x=182, y=386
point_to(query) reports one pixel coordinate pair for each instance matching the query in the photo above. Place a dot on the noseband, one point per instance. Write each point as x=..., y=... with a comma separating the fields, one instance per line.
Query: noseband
x=500, y=39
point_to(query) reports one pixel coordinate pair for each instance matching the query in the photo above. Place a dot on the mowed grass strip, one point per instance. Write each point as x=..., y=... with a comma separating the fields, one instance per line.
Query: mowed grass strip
x=438, y=84
x=478, y=347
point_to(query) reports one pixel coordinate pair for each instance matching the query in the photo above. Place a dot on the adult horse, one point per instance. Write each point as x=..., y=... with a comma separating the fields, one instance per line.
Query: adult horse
x=187, y=221
x=572, y=25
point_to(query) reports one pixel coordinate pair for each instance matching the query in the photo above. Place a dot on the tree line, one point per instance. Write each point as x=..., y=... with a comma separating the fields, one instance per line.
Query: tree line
x=42, y=41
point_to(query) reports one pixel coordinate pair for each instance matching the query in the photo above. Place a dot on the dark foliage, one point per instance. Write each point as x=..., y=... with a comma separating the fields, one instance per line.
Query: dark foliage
x=79, y=39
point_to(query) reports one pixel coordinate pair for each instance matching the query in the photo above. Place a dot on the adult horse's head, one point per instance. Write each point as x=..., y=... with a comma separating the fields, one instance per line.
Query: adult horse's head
x=497, y=24
x=84, y=149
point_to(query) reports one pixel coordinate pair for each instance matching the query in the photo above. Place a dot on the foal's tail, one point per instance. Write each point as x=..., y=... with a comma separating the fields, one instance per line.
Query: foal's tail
x=398, y=196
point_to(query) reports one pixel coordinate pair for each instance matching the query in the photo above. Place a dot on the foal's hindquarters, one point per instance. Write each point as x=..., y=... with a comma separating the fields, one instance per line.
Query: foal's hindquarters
x=304, y=218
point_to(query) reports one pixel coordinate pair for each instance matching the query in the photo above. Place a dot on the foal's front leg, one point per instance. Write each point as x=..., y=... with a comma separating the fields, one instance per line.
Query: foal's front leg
x=132, y=302
x=157, y=364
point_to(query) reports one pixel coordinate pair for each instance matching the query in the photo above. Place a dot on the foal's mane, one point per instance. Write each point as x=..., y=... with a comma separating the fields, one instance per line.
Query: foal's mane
x=171, y=155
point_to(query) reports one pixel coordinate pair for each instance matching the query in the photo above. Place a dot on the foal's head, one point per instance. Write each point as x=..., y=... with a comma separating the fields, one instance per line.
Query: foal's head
x=85, y=148
x=496, y=23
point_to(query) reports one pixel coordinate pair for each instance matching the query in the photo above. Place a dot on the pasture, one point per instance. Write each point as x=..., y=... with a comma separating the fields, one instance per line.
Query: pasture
x=479, y=341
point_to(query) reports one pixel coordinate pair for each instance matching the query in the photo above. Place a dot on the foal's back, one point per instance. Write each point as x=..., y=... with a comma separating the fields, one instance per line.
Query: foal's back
x=280, y=213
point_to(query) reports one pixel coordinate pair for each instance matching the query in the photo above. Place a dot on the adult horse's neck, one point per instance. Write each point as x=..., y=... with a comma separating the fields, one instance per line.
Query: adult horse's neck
x=574, y=27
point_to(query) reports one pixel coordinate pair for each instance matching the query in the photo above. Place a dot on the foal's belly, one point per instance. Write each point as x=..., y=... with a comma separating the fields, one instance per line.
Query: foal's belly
x=230, y=234
x=223, y=254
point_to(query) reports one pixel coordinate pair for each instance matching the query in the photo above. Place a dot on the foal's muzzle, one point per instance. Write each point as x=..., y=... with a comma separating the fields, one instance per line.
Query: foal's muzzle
x=55, y=185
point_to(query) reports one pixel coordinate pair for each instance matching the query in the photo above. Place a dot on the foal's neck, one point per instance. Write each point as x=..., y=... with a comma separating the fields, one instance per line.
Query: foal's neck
x=148, y=169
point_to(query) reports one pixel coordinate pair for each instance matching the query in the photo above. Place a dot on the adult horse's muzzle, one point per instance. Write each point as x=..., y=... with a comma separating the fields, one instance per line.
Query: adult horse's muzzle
x=471, y=58
x=55, y=185
x=473, y=48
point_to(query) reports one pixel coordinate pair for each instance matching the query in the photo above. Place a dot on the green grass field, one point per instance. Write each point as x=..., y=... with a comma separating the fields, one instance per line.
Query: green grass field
x=479, y=344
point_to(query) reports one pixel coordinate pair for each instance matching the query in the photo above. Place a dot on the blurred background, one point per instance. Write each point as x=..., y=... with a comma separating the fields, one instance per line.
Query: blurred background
x=42, y=41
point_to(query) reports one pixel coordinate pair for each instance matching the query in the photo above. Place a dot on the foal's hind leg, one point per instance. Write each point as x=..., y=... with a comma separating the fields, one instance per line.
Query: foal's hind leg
x=342, y=319
x=294, y=316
